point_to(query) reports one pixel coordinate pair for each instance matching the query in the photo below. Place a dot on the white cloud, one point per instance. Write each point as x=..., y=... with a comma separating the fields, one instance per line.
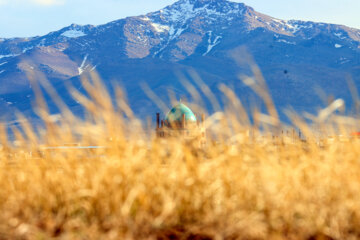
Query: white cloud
x=33, y=2
x=48, y=2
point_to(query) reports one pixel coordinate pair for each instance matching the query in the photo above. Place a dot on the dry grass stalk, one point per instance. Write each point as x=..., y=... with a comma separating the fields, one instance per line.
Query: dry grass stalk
x=243, y=184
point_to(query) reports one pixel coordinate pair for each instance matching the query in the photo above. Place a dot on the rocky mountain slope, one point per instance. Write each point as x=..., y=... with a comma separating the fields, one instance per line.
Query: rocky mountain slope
x=205, y=35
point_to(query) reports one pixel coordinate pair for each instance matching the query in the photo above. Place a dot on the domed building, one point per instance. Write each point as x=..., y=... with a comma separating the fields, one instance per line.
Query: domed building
x=180, y=121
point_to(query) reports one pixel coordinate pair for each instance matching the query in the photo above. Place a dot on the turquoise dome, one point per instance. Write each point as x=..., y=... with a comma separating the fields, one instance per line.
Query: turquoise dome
x=176, y=113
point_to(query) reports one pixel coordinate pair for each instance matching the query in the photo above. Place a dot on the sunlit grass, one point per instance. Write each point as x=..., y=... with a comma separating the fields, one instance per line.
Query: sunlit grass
x=249, y=181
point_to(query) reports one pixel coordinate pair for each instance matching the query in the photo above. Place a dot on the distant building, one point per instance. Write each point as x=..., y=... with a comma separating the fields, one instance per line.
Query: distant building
x=180, y=121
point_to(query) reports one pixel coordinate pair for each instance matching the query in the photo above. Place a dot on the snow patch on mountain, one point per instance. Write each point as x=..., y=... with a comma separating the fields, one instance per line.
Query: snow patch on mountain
x=343, y=60
x=339, y=35
x=180, y=12
x=3, y=63
x=145, y=18
x=73, y=33
x=278, y=20
x=42, y=43
x=2, y=71
x=292, y=26
x=174, y=33
x=338, y=45
x=27, y=49
x=9, y=55
x=211, y=43
x=160, y=28
x=285, y=41
x=82, y=67
x=296, y=28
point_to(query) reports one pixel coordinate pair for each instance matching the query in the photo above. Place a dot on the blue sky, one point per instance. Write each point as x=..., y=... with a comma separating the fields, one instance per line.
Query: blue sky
x=24, y=18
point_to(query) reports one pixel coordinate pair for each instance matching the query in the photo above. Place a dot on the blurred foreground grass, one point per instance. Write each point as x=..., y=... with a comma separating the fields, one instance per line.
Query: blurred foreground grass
x=243, y=184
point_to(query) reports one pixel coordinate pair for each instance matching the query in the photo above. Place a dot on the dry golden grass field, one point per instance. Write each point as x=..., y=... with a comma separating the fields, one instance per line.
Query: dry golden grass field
x=242, y=184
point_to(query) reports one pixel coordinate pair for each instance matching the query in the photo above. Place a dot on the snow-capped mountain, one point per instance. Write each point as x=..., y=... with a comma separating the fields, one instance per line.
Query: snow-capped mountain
x=295, y=56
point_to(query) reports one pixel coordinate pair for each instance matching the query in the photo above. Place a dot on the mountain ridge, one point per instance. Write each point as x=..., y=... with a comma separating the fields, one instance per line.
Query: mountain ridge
x=200, y=34
x=281, y=26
